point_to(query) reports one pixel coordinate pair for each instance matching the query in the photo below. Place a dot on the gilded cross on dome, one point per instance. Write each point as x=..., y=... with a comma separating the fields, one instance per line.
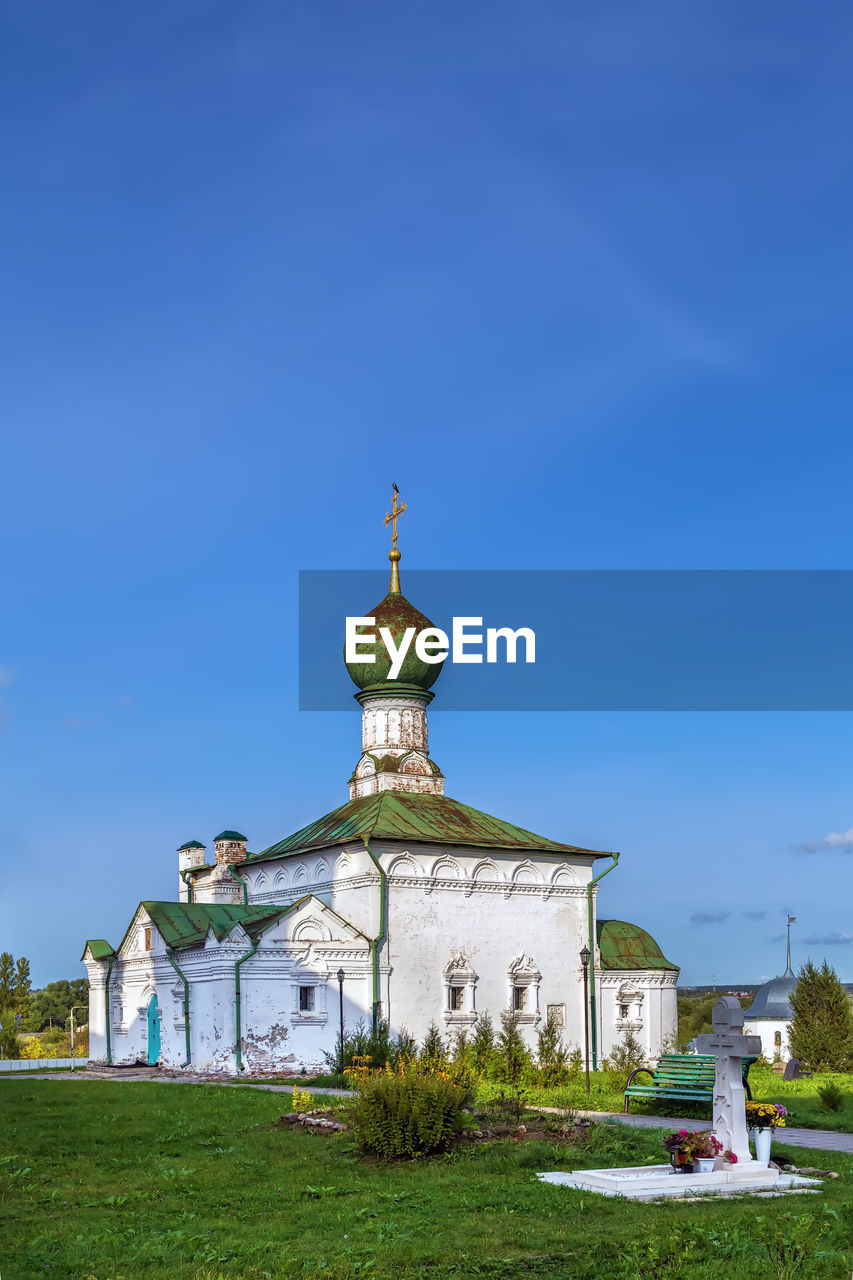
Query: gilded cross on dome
x=391, y=517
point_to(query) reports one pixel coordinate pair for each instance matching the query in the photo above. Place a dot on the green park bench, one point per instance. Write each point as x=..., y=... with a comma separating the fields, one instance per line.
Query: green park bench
x=687, y=1077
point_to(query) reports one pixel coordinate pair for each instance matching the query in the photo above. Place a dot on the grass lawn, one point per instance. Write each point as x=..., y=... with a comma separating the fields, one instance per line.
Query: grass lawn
x=111, y=1181
x=606, y=1094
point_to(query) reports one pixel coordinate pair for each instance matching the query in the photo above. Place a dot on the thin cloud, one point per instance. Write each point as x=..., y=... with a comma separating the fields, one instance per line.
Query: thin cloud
x=830, y=940
x=8, y=675
x=709, y=917
x=840, y=840
x=754, y=915
x=125, y=703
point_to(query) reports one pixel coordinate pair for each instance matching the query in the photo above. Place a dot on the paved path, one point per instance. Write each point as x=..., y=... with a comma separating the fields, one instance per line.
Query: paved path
x=819, y=1139
x=822, y=1139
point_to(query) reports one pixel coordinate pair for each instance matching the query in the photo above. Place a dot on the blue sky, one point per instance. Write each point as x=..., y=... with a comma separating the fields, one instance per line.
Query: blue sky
x=577, y=280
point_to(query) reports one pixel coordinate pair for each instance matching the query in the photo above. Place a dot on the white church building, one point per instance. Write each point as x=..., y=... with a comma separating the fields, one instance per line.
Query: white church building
x=418, y=907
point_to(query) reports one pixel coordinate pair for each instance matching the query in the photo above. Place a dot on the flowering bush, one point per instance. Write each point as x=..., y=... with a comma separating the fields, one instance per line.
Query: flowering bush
x=687, y=1145
x=765, y=1115
x=704, y=1145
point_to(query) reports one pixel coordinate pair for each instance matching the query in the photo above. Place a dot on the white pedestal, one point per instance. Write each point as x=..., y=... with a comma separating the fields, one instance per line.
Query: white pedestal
x=657, y=1181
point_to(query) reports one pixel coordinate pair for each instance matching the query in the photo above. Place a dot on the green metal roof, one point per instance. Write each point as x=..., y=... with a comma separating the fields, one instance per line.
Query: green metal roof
x=230, y=835
x=186, y=924
x=191, y=844
x=627, y=946
x=100, y=949
x=399, y=815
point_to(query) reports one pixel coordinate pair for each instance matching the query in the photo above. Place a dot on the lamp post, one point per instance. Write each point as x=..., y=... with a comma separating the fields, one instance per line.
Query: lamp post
x=73, y=1007
x=585, y=963
x=341, y=976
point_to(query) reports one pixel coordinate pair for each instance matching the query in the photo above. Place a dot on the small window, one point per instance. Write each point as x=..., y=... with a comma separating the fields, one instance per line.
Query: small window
x=519, y=997
x=147, y=939
x=457, y=999
x=306, y=999
x=624, y=1010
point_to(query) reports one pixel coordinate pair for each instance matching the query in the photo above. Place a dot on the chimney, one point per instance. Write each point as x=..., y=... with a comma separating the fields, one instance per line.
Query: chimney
x=230, y=846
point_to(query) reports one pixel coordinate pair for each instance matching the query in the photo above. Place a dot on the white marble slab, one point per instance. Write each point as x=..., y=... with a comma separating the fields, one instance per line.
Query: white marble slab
x=658, y=1181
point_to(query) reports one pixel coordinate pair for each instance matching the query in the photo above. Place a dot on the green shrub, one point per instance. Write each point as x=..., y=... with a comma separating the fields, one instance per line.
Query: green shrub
x=627, y=1055
x=551, y=1055
x=378, y=1047
x=406, y=1115
x=831, y=1096
x=483, y=1045
x=433, y=1054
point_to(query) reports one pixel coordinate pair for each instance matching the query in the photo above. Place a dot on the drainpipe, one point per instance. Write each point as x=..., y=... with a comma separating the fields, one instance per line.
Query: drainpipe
x=237, y=1052
x=107, y=1011
x=241, y=882
x=188, y=883
x=592, y=1014
x=170, y=955
x=383, y=920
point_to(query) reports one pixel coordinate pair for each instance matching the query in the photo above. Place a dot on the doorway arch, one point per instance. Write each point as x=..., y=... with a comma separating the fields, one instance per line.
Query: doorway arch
x=153, y=1031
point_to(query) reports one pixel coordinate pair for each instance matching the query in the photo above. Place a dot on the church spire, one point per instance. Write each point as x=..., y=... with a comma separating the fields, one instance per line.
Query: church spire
x=788, y=971
x=391, y=517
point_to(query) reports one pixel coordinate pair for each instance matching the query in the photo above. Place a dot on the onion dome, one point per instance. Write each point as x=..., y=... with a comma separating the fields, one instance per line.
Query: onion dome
x=397, y=614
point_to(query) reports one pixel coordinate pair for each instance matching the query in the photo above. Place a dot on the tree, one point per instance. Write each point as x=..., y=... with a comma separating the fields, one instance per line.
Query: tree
x=822, y=1026
x=433, y=1054
x=628, y=1054
x=694, y=1017
x=551, y=1053
x=52, y=1004
x=9, y=1047
x=7, y=980
x=21, y=995
x=513, y=1057
x=483, y=1045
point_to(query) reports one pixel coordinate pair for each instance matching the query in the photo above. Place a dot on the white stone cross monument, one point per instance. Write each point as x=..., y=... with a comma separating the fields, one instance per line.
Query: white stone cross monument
x=730, y=1046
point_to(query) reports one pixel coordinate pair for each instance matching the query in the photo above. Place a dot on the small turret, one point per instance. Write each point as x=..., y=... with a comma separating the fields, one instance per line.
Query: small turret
x=190, y=855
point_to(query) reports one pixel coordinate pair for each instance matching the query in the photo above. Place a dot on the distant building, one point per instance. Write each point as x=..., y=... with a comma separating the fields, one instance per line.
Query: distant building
x=770, y=1014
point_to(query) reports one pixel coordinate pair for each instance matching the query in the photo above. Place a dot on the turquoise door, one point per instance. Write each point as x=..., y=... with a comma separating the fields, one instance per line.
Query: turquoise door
x=153, y=1031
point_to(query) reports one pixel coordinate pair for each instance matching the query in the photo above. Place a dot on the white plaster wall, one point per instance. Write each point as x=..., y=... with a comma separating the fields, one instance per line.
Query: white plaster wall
x=490, y=909
x=97, y=971
x=653, y=1009
x=766, y=1028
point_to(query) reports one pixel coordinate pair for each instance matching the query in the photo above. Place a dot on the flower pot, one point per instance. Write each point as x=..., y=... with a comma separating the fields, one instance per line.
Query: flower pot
x=703, y=1164
x=679, y=1167
x=763, y=1139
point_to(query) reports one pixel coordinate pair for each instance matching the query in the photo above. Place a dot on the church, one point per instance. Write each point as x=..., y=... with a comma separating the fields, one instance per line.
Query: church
x=401, y=905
